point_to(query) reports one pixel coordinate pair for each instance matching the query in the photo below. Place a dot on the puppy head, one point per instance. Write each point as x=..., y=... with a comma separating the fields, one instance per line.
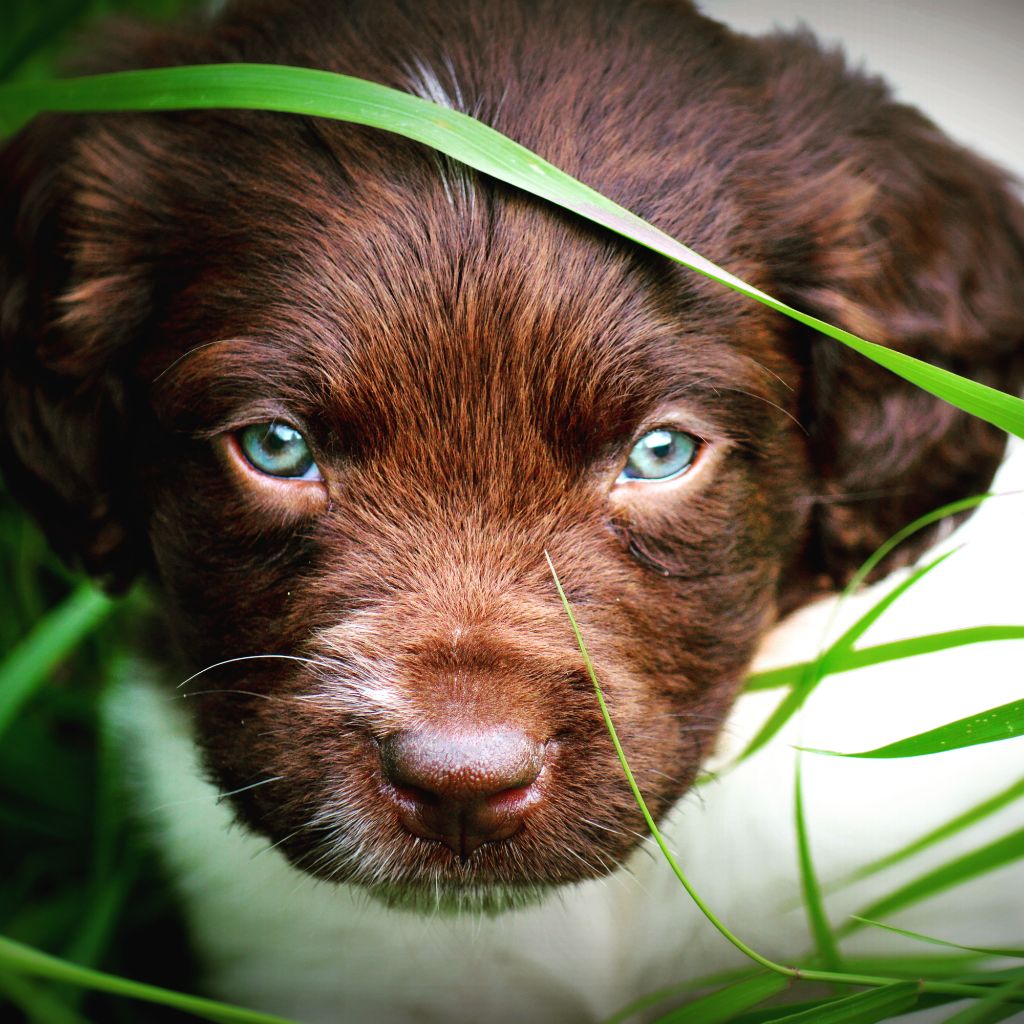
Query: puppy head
x=335, y=397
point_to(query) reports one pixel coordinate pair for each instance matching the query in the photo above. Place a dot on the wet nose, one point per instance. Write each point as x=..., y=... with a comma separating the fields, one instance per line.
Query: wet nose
x=463, y=788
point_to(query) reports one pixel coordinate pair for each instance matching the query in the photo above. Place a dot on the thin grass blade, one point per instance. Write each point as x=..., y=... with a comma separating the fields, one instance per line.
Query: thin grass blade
x=896, y=650
x=723, y=1005
x=969, y=817
x=26, y=668
x=862, y=1008
x=821, y=930
x=1002, y=723
x=991, y=1008
x=822, y=666
x=970, y=865
x=21, y=959
x=984, y=950
x=325, y=94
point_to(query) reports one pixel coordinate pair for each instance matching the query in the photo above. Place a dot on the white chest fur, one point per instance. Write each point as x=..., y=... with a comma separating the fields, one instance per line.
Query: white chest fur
x=274, y=938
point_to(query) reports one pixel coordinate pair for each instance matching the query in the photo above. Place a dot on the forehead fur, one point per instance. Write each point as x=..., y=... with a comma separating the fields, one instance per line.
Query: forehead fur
x=358, y=239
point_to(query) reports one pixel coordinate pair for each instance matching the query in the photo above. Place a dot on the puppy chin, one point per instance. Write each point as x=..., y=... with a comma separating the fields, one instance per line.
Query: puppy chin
x=453, y=899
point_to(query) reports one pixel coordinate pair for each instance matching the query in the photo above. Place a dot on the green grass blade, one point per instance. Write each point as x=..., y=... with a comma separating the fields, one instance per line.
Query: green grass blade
x=822, y=666
x=845, y=642
x=913, y=968
x=821, y=930
x=969, y=817
x=638, y=796
x=991, y=1008
x=26, y=668
x=862, y=1008
x=922, y=522
x=661, y=995
x=929, y=643
x=986, y=951
x=721, y=1006
x=22, y=959
x=976, y=862
x=37, y=1005
x=832, y=977
x=325, y=94
x=1002, y=723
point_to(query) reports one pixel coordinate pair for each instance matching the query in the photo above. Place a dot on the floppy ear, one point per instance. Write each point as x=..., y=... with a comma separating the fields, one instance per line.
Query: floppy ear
x=911, y=241
x=75, y=293
x=63, y=418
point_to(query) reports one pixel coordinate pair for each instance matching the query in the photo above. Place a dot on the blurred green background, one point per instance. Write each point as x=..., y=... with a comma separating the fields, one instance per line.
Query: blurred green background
x=76, y=877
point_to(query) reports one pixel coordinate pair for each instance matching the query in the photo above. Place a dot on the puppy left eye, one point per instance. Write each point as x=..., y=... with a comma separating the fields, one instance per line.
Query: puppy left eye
x=660, y=455
x=278, y=450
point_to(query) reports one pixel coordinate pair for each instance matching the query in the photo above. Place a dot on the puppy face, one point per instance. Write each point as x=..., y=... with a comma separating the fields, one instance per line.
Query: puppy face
x=335, y=398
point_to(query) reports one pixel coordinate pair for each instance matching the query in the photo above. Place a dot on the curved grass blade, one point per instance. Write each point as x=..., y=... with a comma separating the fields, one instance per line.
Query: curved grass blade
x=27, y=666
x=970, y=865
x=832, y=977
x=325, y=94
x=22, y=959
x=1002, y=723
x=36, y=1004
x=895, y=650
x=820, y=668
x=723, y=1005
x=862, y=1008
x=824, y=940
x=991, y=1008
x=651, y=999
x=986, y=951
x=969, y=817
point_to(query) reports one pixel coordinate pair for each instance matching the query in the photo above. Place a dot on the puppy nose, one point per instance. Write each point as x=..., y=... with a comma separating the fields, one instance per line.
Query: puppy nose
x=464, y=788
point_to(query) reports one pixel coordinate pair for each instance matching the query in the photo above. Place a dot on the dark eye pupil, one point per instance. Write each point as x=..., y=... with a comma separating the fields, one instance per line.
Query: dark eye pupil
x=661, y=445
x=279, y=438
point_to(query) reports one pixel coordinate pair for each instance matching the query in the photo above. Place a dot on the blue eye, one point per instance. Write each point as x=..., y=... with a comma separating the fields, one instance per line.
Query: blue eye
x=278, y=450
x=660, y=455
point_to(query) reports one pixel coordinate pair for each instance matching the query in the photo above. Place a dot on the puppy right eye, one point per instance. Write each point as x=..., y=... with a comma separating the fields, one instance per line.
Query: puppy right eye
x=278, y=450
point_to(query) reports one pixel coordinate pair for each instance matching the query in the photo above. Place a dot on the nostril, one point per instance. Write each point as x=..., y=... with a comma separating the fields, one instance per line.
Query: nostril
x=464, y=788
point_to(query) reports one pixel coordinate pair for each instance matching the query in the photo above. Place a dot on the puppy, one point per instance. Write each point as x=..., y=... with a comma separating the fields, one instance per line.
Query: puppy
x=334, y=396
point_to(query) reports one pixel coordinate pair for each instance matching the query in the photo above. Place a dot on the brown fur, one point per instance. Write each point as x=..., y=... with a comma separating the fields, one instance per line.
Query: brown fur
x=471, y=367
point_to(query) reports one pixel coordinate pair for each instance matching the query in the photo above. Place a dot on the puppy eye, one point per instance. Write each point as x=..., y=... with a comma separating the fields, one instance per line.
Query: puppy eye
x=659, y=455
x=278, y=450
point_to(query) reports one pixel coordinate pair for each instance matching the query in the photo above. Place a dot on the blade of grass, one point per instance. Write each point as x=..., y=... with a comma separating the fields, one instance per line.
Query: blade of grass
x=661, y=995
x=977, y=862
x=721, y=1006
x=38, y=1005
x=25, y=669
x=862, y=1008
x=325, y=94
x=766, y=1016
x=952, y=508
x=991, y=1008
x=820, y=928
x=950, y=828
x=821, y=667
x=985, y=951
x=1002, y=723
x=914, y=968
x=22, y=959
x=896, y=650
x=834, y=977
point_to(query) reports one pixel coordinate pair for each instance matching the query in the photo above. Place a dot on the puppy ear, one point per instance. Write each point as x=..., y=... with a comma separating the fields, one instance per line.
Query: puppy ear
x=64, y=437
x=911, y=241
x=75, y=292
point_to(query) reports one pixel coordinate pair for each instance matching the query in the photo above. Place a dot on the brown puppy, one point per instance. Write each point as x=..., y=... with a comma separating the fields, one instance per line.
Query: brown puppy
x=334, y=397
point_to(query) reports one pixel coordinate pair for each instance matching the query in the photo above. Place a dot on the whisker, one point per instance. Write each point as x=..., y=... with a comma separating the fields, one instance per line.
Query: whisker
x=244, y=657
x=245, y=789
